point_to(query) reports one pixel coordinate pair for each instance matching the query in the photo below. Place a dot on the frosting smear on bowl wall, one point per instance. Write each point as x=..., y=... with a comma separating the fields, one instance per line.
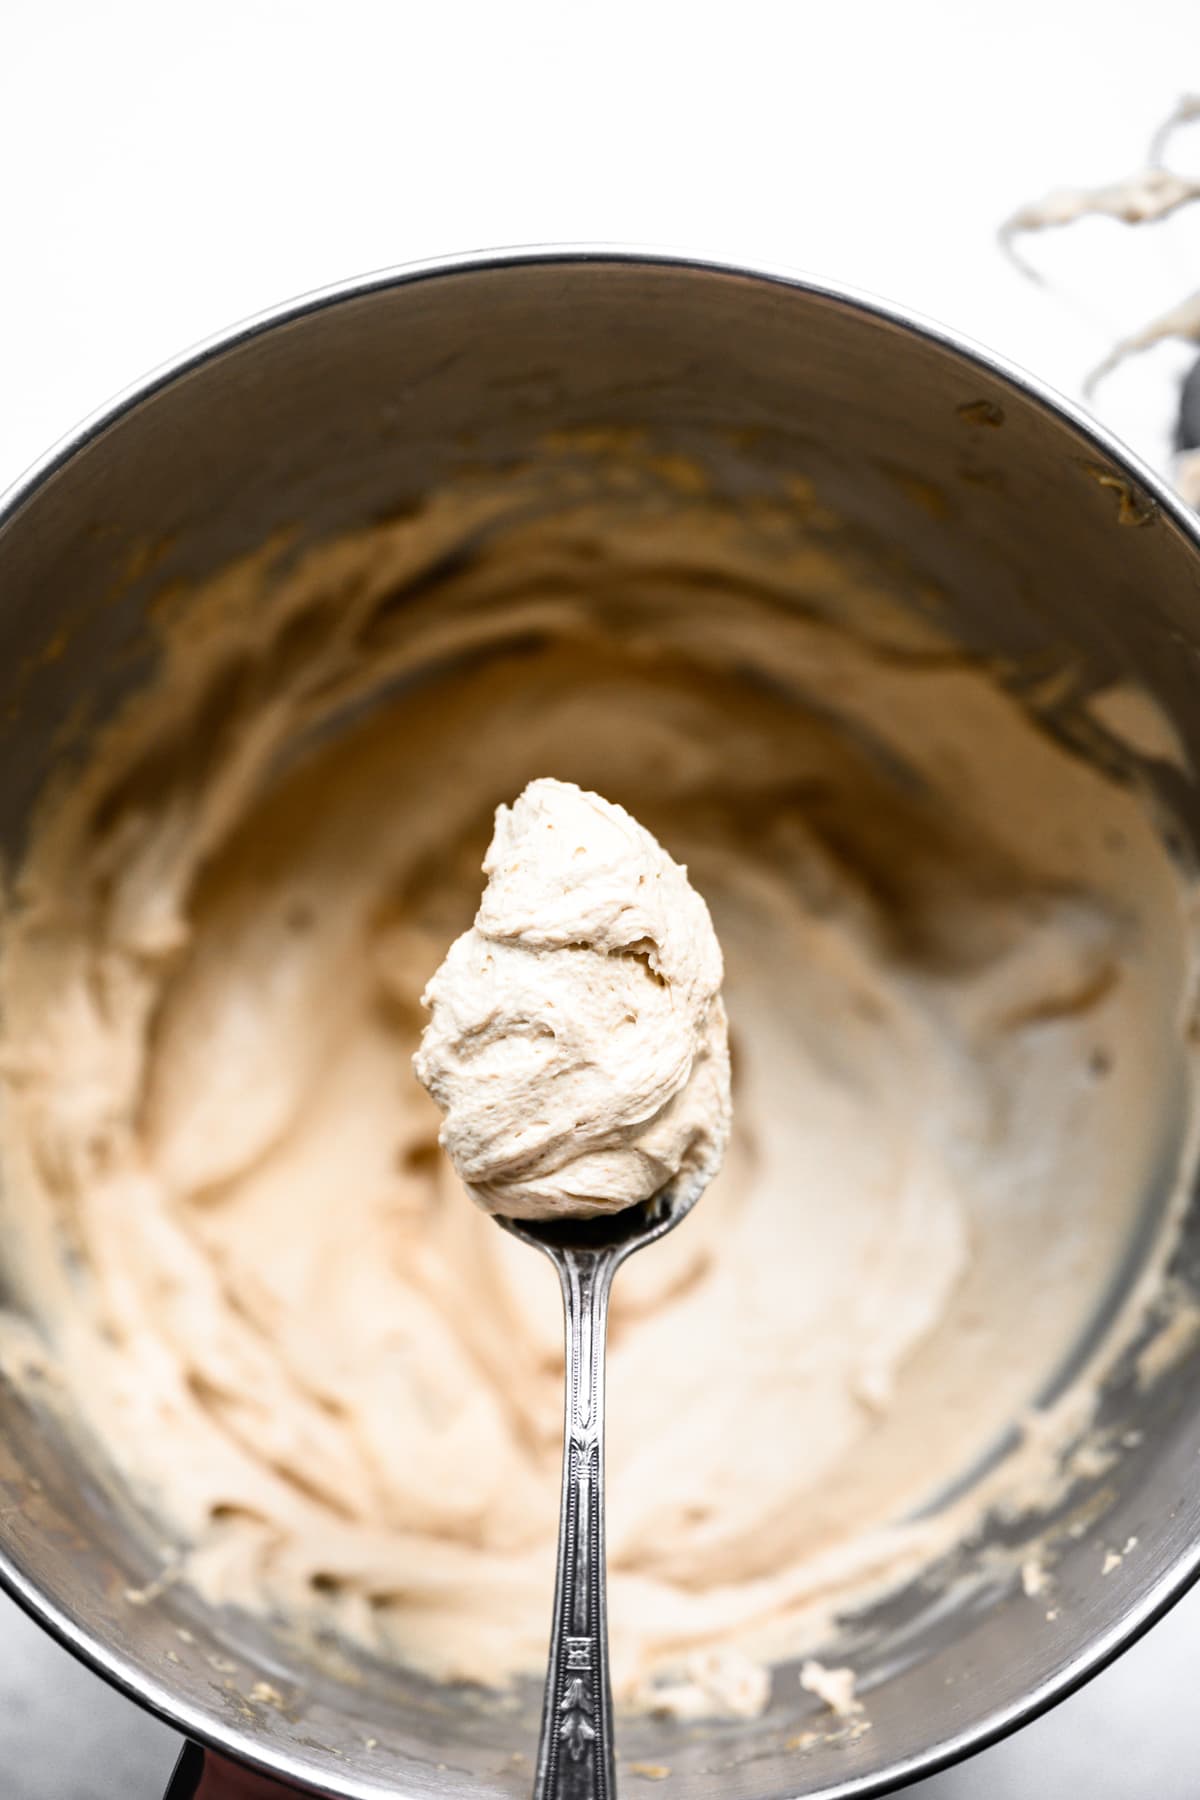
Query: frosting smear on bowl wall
x=956, y=965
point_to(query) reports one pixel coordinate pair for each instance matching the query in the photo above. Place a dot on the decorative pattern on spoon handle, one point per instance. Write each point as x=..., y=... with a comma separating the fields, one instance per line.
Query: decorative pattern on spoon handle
x=575, y=1756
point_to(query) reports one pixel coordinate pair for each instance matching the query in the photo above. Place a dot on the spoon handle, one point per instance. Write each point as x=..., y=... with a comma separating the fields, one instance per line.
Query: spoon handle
x=575, y=1755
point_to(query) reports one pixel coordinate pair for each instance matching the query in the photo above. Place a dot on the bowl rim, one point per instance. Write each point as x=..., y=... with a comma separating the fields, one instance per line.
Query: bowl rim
x=1173, y=1583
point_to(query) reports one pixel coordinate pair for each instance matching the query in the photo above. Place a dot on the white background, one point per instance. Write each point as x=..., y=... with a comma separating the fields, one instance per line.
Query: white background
x=165, y=169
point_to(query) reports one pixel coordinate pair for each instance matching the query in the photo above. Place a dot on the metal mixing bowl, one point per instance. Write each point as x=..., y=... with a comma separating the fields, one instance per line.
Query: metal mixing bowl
x=1037, y=531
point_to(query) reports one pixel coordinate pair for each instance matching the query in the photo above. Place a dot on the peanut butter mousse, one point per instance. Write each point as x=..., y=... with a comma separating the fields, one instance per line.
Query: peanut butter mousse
x=578, y=1044
x=958, y=961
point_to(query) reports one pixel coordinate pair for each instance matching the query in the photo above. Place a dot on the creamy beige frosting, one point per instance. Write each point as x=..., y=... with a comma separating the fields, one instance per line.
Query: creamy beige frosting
x=578, y=1042
x=956, y=966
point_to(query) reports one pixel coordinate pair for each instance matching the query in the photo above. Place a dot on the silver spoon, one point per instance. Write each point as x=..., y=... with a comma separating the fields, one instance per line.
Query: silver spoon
x=575, y=1751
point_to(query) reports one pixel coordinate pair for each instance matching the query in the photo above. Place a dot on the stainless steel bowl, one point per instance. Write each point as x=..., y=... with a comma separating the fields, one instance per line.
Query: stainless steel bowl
x=342, y=407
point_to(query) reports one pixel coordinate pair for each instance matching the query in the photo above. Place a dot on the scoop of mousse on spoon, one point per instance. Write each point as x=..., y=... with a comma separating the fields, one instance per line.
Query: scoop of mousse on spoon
x=577, y=1046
